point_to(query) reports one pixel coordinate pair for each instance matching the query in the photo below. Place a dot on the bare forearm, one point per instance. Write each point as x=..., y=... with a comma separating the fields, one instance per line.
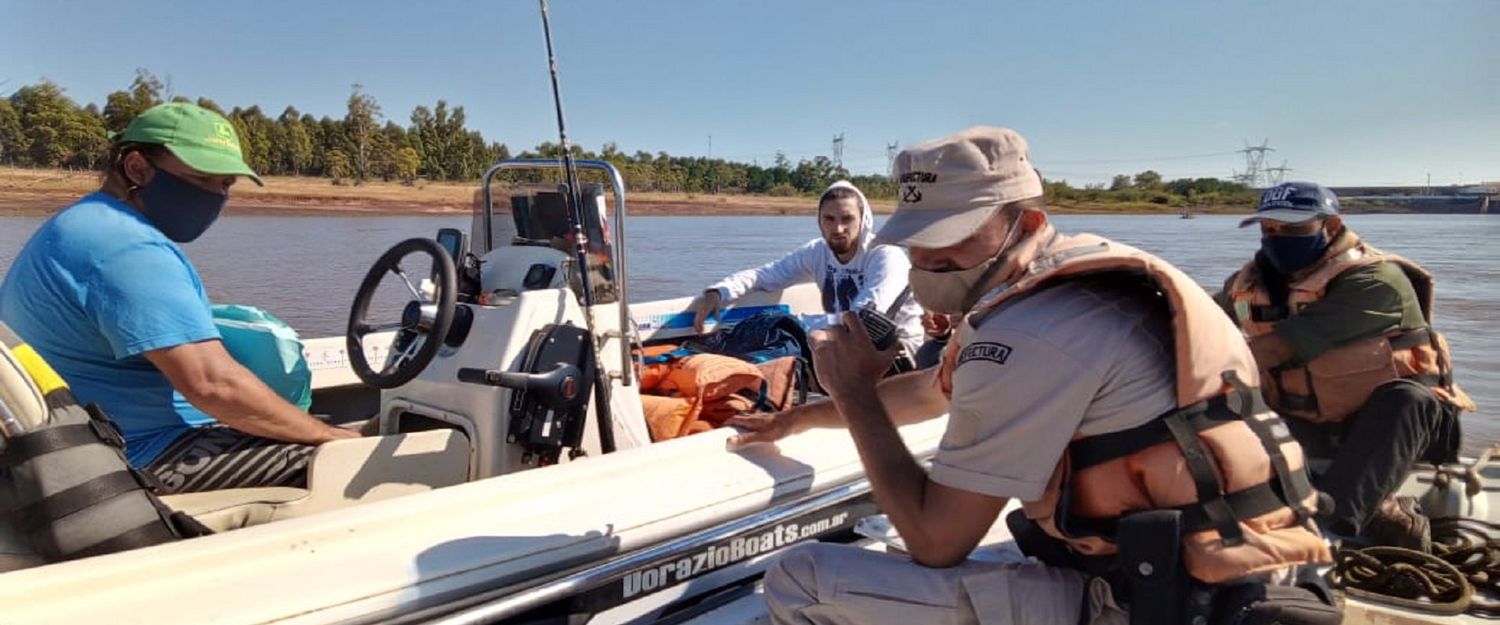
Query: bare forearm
x=215, y=383
x=907, y=398
x=939, y=524
x=246, y=404
x=899, y=483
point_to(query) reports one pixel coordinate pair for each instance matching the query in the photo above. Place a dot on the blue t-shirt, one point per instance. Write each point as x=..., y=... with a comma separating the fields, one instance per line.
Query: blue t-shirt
x=96, y=287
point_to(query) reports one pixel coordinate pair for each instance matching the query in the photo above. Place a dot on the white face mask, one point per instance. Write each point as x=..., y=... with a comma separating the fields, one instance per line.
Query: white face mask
x=951, y=292
x=954, y=292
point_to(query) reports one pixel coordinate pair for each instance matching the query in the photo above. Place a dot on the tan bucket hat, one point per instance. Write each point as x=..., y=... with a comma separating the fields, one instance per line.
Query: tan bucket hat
x=948, y=187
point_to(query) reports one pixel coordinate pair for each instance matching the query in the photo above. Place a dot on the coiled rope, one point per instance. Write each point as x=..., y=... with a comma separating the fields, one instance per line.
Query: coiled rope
x=1402, y=577
x=1472, y=547
x=1461, y=575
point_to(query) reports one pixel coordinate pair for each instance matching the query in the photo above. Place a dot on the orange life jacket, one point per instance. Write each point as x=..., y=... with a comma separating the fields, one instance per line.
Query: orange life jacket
x=1340, y=380
x=1221, y=457
x=696, y=393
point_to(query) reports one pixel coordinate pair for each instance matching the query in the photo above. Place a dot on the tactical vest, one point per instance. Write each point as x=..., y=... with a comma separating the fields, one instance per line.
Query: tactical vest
x=65, y=486
x=1337, y=382
x=1221, y=458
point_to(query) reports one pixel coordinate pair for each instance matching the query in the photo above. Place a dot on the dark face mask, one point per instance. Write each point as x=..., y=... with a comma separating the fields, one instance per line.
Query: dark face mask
x=1290, y=253
x=180, y=209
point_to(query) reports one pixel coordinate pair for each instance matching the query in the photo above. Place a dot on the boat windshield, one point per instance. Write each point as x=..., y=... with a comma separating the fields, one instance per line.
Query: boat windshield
x=540, y=217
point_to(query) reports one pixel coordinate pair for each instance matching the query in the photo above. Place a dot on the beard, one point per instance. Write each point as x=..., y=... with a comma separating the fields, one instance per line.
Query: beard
x=842, y=248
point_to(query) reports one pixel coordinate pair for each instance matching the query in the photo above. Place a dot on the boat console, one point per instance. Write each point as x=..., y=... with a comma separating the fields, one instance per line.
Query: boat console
x=511, y=337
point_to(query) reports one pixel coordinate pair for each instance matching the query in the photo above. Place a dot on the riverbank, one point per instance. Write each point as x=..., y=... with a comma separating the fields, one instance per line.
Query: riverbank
x=44, y=191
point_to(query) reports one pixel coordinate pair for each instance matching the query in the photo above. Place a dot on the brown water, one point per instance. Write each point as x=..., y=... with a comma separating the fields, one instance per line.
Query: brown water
x=305, y=269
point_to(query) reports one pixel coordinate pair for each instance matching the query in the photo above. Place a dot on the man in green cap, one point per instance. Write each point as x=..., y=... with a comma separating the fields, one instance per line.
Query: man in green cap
x=105, y=294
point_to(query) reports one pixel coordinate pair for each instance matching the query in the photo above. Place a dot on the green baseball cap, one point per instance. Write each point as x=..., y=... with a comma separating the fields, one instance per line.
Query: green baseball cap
x=200, y=138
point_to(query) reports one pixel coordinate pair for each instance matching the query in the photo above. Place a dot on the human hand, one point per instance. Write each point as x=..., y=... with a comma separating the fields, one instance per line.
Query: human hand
x=367, y=427
x=936, y=325
x=705, y=305
x=335, y=432
x=846, y=360
x=760, y=427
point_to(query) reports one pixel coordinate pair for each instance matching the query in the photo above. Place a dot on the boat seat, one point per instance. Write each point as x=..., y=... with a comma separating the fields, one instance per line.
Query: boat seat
x=223, y=510
x=340, y=473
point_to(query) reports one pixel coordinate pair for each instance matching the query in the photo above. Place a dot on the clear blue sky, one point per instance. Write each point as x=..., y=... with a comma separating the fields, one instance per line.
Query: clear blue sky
x=1347, y=92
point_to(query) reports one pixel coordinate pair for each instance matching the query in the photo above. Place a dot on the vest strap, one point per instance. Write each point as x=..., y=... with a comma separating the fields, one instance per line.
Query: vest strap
x=761, y=399
x=1213, y=509
x=1294, y=484
x=153, y=532
x=1262, y=498
x=43, y=512
x=1087, y=452
x=55, y=438
x=1299, y=403
x=1205, y=481
x=1269, y=313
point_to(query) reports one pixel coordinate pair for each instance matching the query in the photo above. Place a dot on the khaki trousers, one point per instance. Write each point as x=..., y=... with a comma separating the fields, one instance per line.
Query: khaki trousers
x=822, y=584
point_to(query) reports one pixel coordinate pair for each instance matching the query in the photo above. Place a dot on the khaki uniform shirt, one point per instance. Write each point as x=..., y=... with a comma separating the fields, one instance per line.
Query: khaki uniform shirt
x=1083, y=357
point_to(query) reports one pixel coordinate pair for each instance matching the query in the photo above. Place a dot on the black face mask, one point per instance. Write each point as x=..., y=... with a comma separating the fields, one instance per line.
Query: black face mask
x=1290, y=253
x=178, y=208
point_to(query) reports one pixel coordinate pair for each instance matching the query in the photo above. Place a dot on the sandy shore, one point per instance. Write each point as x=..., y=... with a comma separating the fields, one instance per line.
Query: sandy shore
x=44, y=191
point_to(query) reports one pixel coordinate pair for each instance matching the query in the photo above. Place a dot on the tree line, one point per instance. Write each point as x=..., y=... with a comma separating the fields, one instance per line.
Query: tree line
x=40, y=126
x=1149, y=187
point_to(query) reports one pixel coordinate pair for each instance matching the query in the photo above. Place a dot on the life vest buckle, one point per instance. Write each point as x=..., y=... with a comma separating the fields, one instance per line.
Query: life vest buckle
x=108, y=432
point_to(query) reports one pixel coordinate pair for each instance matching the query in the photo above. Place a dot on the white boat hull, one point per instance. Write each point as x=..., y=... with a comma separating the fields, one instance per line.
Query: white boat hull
x=384, y=559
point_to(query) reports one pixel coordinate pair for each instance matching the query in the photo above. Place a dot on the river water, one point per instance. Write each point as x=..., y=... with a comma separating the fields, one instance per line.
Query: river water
x=306, y=269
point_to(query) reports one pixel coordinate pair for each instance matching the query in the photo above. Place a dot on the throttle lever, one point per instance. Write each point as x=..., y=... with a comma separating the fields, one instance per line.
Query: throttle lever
x=558, y=387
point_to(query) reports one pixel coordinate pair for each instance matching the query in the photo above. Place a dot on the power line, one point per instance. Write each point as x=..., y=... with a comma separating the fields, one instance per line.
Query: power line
x=1275, y=175
x=1106, y=161
x=1255, y=174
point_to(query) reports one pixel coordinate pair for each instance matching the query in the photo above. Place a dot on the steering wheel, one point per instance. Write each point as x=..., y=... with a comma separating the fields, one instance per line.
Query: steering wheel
x=423, y=324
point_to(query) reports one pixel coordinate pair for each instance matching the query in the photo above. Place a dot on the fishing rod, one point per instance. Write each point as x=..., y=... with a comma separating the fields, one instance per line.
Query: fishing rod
x=580, y=249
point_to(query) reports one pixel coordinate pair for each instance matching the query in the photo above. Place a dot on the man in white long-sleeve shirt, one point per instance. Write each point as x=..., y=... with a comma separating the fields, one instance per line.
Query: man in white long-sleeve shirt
x=851, y=272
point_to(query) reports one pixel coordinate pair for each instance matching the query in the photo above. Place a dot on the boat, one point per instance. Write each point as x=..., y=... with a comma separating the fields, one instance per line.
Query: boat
x=458, y=514
x=514, y=479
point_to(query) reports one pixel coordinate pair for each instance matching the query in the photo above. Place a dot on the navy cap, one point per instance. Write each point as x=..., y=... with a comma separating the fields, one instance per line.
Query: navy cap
x=1293, y=203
